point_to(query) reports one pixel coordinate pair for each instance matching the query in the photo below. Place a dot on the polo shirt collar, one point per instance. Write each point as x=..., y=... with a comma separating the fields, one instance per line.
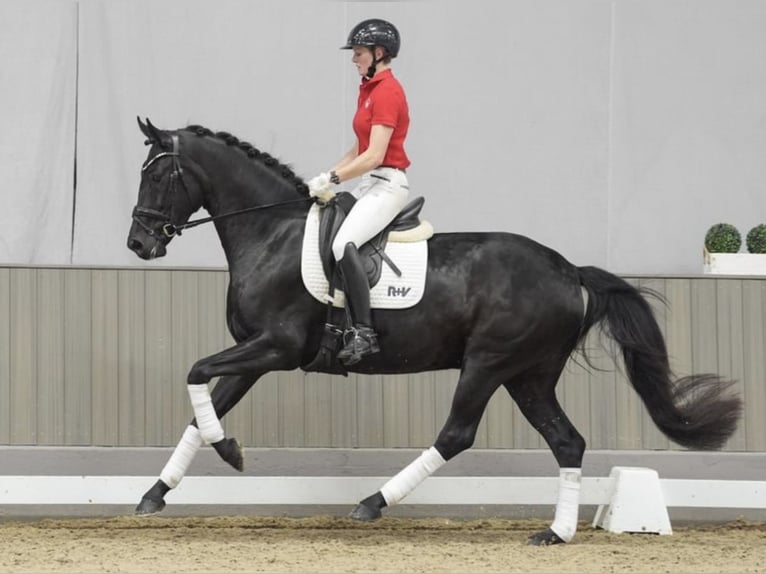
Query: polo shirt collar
x=377, y=77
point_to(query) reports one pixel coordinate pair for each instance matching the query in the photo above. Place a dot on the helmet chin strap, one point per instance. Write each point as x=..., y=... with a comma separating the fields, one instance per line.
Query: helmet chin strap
x=374, y=66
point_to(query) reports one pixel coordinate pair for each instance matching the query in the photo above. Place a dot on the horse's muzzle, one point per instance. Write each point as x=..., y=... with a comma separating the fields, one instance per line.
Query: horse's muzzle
x=146, y=250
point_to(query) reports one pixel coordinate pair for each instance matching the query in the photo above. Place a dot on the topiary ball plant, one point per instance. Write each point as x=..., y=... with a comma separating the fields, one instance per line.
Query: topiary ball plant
x=723, y=238
x=756, y=239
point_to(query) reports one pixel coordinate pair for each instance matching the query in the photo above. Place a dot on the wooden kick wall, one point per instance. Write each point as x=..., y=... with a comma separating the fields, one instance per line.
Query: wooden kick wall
x=99, y=356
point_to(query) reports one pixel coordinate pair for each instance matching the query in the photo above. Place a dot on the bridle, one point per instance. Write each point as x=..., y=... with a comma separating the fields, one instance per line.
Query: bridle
x=170, y=229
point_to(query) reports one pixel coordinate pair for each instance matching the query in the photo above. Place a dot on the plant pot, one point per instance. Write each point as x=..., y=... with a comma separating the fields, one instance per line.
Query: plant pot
x=734, y=263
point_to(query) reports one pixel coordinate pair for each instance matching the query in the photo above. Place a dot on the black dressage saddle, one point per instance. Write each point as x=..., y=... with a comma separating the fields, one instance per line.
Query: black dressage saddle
x=373, y=253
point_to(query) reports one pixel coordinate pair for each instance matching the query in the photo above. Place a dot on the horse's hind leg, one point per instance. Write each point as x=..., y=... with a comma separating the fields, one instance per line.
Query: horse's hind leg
x=226, y=393
x=473, y=392
x=536, y=398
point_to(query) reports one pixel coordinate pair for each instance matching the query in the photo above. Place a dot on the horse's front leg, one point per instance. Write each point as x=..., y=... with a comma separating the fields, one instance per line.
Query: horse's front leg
x=252, y=358
x=240, y=367
x=226, y=393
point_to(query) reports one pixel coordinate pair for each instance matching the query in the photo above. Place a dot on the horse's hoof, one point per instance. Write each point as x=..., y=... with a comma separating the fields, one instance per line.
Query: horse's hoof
x=544, y=538
x=149, y=506
x=230, y=450
x=365, y=513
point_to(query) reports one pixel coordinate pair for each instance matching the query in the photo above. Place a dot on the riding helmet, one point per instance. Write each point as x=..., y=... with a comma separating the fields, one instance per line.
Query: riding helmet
x=375, y=32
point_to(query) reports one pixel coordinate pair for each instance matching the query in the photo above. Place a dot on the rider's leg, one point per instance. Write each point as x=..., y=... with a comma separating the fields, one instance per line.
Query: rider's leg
x=357, y=290
x=377, y=206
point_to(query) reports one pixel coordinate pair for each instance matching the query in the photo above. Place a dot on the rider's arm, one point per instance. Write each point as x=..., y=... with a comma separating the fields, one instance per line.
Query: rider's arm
x=349, y=157
x=371, y=158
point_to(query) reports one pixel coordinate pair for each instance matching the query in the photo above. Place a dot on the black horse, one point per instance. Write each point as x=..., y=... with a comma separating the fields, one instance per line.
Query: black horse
x=503, y=309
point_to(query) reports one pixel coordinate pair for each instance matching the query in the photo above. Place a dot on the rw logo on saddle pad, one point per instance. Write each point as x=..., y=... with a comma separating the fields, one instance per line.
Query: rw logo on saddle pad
x=408, y=253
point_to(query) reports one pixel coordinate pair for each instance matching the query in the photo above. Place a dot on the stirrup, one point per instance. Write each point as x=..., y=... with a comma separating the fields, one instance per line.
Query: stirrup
x=363, y=342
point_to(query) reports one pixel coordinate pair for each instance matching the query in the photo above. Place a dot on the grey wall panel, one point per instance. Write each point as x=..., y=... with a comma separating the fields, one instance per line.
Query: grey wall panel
x=754, y=314
x=730, y=341
x=319, y=411
x=344, y=419
x=369, y=411
x=185, y=342
x=5, y=356
x=78, y=348
x=603, y=408
x=422, y=415
x=291, y=390
x=263, y=417
x=678, y=324
x=158, y=368
x=105, y=332
x=50, y=357
x=131, y=358
x=23, y=357
x=396, y=407
x=100, y=357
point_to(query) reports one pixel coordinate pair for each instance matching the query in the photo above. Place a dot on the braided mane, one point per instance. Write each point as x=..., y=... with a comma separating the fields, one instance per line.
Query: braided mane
x=253, y=153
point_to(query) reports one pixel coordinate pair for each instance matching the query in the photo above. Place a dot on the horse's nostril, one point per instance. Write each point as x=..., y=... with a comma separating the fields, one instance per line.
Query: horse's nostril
x=135, y=245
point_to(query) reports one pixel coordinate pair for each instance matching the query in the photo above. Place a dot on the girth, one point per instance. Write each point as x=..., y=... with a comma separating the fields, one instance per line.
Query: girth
x=373, y=254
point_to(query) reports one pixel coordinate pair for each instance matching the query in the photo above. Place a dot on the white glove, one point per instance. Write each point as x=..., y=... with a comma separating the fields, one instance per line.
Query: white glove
x=321, y=187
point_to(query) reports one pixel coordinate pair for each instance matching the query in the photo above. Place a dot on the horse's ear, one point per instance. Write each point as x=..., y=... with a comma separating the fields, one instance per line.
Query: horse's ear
x=144, y=130
x=154, y=135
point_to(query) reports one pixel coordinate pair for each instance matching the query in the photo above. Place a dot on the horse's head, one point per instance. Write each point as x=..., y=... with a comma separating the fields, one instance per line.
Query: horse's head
x=166, y=198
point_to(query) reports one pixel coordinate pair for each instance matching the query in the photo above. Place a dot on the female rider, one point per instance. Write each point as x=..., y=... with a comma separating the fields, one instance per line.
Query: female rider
x=380, y=124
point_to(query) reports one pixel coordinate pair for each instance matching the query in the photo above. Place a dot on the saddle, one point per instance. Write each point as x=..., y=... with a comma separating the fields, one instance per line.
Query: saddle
x=373, y=252
x=405, y=227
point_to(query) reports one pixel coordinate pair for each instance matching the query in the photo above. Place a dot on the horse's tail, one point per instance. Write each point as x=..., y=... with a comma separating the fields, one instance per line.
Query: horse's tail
x=696, y=411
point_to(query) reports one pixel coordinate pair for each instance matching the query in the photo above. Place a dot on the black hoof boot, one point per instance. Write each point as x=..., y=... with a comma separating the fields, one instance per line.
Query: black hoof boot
x=545, y=538
x=153, y=500
x=369, y=509
x=230, y=450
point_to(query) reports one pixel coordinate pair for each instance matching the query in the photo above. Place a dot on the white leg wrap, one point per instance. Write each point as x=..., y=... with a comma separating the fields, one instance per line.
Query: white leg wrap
x=565, y=520
x=182, y=456
x=415, y=473
x=209, y=426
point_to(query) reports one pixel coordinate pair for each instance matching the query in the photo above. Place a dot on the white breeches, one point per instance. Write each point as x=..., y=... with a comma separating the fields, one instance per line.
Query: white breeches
x=378, y=201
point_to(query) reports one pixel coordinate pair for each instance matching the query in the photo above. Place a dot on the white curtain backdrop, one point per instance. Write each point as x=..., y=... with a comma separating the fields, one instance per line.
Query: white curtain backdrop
x=615, y=132
x=234, y=66
x=494, y=144
x=38, y=74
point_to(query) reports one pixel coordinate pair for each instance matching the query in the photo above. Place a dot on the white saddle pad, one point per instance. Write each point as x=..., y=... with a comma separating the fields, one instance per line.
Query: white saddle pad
x=391, y=292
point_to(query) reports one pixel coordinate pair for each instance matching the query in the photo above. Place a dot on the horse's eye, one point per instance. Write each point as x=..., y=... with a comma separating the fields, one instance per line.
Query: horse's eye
x=156, y=178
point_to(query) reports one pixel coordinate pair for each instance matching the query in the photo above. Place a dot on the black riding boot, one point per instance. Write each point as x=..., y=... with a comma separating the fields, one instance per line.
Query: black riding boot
x=364, y=341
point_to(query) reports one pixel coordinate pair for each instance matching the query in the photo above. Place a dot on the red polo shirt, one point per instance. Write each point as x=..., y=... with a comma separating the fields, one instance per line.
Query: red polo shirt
x=382, y=102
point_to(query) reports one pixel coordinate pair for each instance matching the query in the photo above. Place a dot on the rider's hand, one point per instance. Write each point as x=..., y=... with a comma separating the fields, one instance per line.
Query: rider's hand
x=321, y=187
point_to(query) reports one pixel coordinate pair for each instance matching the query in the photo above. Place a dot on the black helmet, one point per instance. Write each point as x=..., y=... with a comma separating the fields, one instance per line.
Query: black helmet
x=375, y=32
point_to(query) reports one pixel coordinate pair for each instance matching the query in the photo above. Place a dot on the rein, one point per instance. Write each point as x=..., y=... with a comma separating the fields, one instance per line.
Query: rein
x=169, y=229
x=196, y=222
